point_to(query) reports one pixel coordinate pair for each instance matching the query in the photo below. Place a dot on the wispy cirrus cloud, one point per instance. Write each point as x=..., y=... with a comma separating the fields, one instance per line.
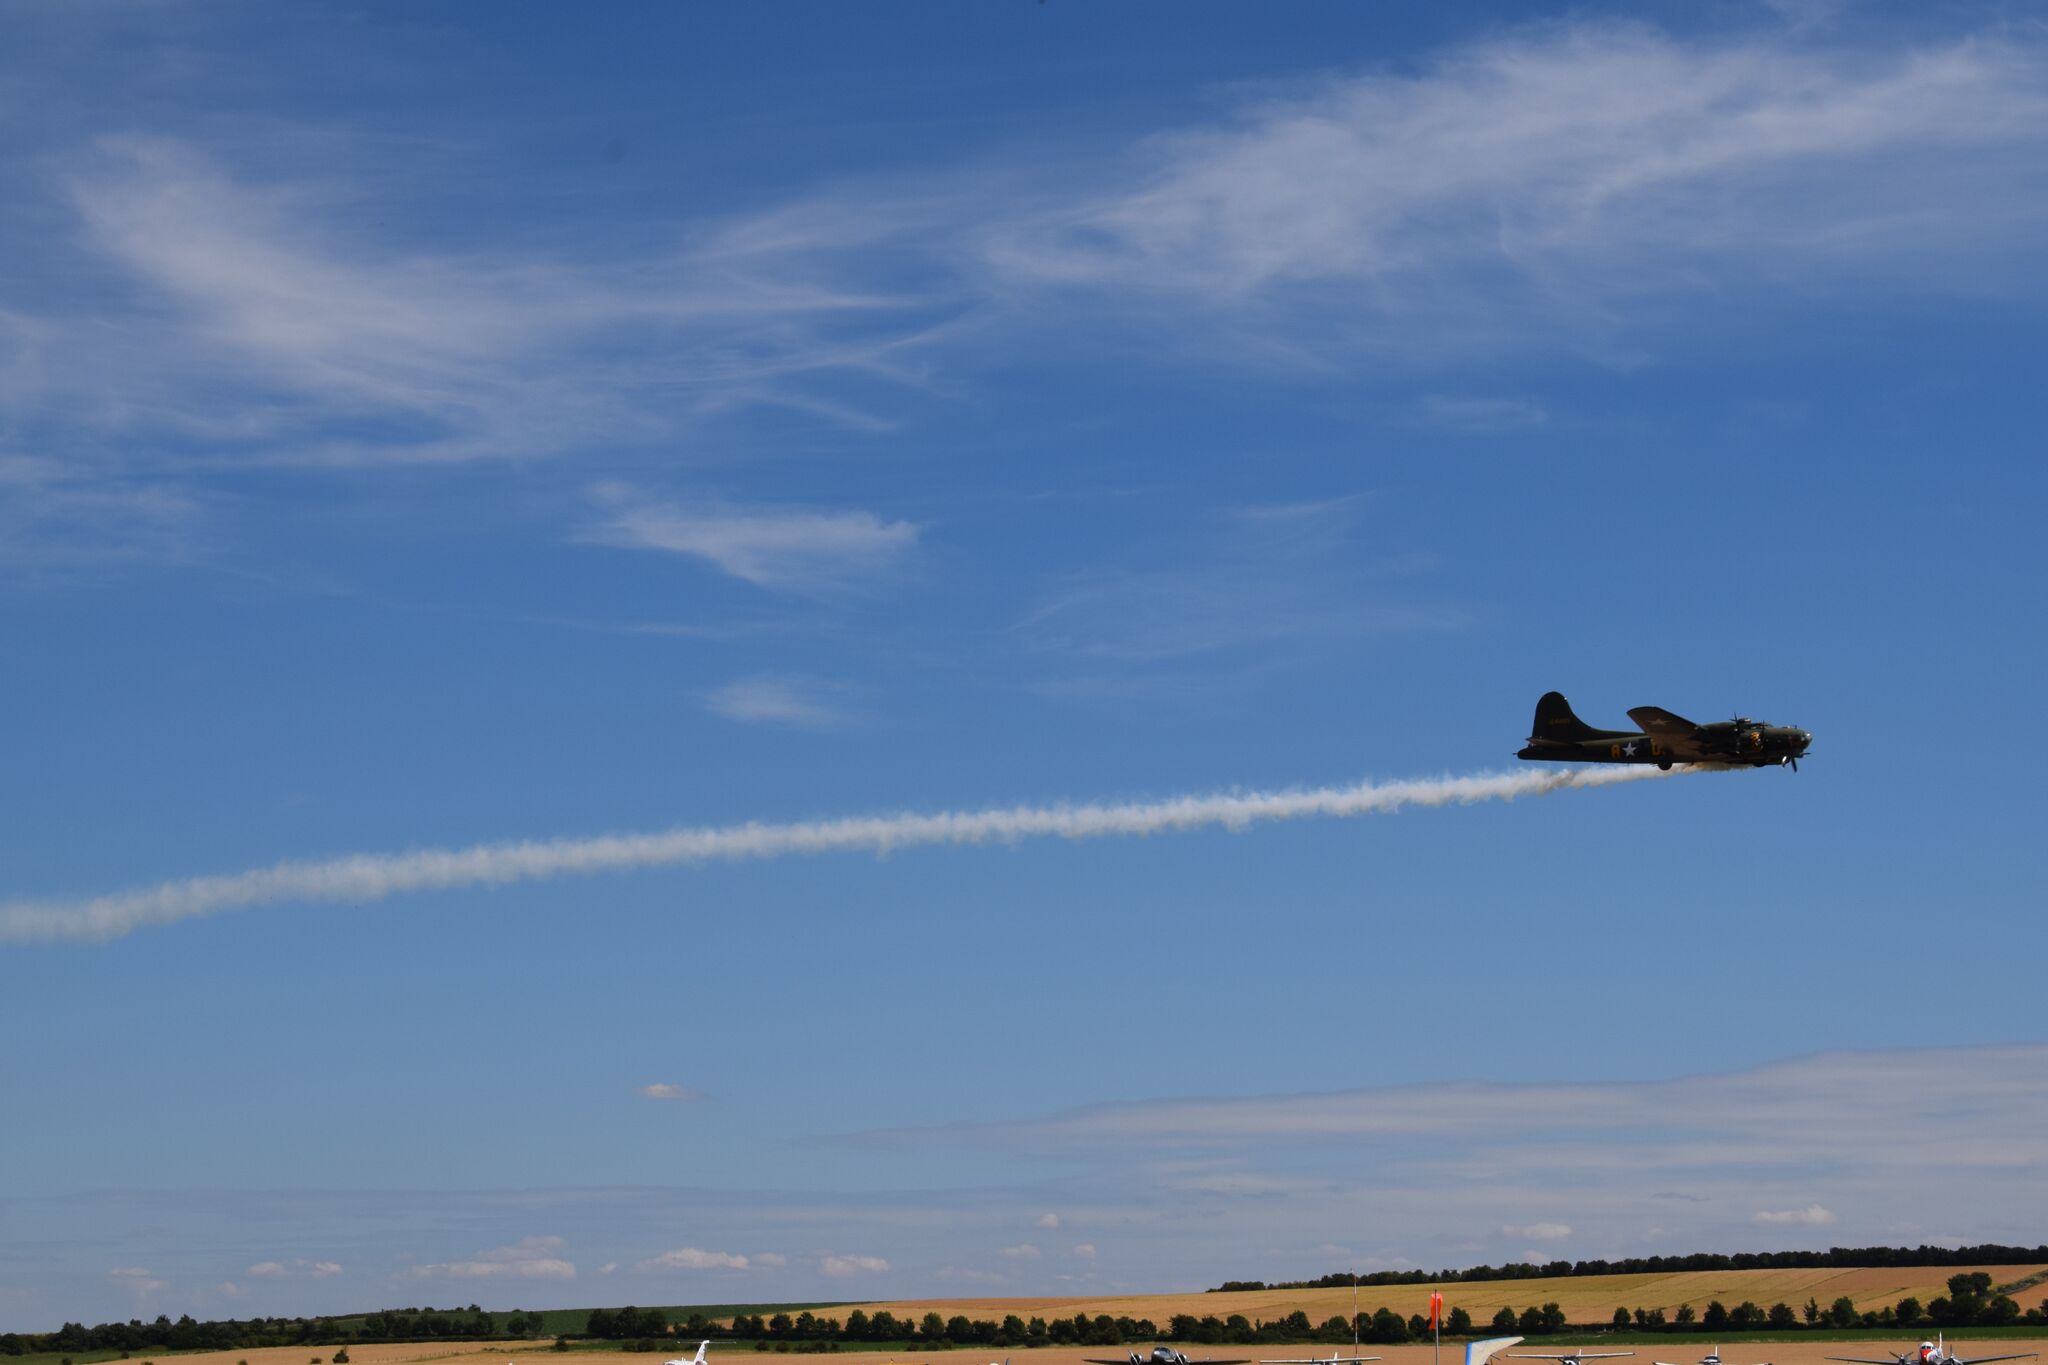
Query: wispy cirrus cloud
x=1253, y=577
x=1583, y=181
x=781, y=699
x=1470, y=415
x=1846, y=1140
x=272, y=296
x=1841, y=1105
x=801, y=549
x=57, y=514
x=1565, y=179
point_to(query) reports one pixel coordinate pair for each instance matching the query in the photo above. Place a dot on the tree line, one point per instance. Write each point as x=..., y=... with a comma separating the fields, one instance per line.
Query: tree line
x=1832, y=1258
x=235, y=1334
x=1970, y=1302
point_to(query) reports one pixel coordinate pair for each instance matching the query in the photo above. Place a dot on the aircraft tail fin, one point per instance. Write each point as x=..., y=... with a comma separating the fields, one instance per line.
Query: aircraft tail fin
x=1556, y=721
x=702, y=1347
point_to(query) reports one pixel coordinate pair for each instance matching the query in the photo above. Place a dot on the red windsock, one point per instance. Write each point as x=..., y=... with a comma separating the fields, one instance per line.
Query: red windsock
x=1436, y=1307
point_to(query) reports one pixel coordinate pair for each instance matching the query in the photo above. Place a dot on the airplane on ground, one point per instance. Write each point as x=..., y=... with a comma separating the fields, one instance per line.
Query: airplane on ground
x=1331, y=1359
x=1569, y=1357
x=1664, y=739
x=699, y=1358
x=1712, y=1357
x=1165, y=1355
x=1933, y=1352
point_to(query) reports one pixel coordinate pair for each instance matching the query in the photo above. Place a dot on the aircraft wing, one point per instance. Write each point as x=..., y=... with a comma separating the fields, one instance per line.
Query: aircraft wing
x=1865, y=1360
x=1321, y=1360
x=1678, y=735
x=1984, y=1360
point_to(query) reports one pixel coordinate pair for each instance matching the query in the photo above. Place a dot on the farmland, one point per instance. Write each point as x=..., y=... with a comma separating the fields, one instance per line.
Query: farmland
x=1810, y=1349
x=1584, y=1298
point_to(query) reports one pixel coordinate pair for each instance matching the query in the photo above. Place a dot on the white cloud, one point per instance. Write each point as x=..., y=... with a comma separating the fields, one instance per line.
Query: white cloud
x=1561, y=178
x=1480, y=416
x=1812, y=1216
x=779, y=699
x=530, y=1258
x=608, y=1267
x=798, y=549
x=63, y=514
x=1836, y=1105
x=695, y=1258
x=278, y=292
x=1085, y=1251
x=1022, y=1252
x=838, y=1267
x=770, y=1259
x=1047, y=1220
x=294, y=1270
x=1817, y=1133
x=662, y=1090
x=1260, y=578
x=135, y=1278
x=1540, y=1232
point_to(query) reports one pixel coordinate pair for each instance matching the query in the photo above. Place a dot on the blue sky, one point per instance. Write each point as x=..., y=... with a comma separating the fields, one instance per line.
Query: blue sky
x=422, y=428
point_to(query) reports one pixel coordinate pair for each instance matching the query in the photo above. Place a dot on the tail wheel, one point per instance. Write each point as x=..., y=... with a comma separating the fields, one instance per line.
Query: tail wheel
x=1664, y=765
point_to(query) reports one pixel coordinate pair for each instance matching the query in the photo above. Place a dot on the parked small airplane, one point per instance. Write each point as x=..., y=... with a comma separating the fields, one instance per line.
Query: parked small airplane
x=1933, y=1352
x=1165, y=1355
x=1664, y=739
x=1712, y=1357
x=1331, y=1359
x=1570, y=1357
x=699, y=1358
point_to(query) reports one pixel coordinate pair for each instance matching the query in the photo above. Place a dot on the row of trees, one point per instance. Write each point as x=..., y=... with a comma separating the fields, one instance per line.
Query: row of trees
x=1383, y=1325
x=1970, y=1302
x=237, y=1334
x=1832, y=1258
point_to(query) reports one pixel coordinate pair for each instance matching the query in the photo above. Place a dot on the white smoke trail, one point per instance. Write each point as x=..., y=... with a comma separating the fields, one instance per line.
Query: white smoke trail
x=372, y=876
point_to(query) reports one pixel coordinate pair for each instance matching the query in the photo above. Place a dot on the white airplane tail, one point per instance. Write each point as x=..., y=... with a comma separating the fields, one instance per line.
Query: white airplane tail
x=702, y=1347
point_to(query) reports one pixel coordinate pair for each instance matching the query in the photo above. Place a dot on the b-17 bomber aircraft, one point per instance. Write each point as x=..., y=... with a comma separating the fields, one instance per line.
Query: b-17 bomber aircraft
x=1164, y=1355
x=1934, y=1352
x=1664, y=739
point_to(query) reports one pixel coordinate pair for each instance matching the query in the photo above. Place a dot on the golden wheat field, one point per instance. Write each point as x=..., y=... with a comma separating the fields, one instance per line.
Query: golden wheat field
x=1585, y=1299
